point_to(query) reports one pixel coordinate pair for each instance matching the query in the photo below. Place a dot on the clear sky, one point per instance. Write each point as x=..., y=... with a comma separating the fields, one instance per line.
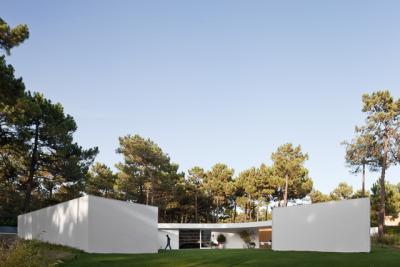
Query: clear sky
x=214, y=81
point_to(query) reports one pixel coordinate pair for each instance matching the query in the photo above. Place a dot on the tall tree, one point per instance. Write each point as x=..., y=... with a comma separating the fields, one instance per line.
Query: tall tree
x=383, y=122
x=195, y=177
x=288, y=164
x=49, y=137
x=360, y=152
x=11, y=37
x=144, y=156
x=219, y=183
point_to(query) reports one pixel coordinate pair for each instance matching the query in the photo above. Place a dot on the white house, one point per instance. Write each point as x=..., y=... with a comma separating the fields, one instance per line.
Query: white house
x=99, y=225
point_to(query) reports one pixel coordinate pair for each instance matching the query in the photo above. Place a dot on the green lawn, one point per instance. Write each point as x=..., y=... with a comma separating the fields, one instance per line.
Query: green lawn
x=241, y=257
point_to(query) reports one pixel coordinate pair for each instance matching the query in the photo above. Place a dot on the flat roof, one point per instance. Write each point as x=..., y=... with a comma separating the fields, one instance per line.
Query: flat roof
x=249, y=225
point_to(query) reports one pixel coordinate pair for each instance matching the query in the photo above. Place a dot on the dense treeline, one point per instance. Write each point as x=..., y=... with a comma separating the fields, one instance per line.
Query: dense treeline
x=41, y=165
x=147, y=176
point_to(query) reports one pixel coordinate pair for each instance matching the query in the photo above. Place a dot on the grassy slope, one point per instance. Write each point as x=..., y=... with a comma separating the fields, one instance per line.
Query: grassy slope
x=239, y=257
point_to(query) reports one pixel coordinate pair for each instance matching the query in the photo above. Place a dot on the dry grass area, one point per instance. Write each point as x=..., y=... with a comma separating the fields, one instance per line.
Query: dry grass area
x=17, y=252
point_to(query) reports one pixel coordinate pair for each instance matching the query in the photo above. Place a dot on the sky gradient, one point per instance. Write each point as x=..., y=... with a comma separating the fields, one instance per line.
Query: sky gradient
x=214, y=81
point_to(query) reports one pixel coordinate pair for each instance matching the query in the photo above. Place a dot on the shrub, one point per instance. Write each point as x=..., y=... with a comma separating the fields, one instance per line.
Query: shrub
x=246, y=236
x=391, y=230
x=391, y=240
x=221, y=239
x=17, y=253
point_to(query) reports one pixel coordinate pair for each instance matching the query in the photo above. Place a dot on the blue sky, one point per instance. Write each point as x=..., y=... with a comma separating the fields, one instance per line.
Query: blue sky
x=214, y=81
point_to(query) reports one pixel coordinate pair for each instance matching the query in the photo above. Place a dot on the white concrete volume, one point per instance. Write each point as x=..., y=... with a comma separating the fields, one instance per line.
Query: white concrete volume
x=340, y=226
x=95, y=225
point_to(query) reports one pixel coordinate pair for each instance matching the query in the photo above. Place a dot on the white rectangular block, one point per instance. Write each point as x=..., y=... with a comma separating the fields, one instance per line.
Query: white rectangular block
x=95, y=225
x=340, y=226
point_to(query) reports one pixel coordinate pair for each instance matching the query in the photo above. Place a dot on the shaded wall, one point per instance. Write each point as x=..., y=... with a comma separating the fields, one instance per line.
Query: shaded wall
x=95, y=225
x=340, y=226
x=121, y=227
x=65, y=224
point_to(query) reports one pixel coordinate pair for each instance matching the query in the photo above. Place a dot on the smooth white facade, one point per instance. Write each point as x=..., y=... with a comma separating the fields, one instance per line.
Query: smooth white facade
x=340, y=226
x=95, y=225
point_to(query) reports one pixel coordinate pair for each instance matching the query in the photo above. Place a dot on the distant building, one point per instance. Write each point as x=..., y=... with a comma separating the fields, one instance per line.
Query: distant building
x=390, y=222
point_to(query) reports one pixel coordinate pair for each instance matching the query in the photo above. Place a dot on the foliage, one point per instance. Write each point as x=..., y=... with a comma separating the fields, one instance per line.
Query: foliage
x=318, y=197
x=343, y=191
x=383, y=124
x=391, y=230
x=10, y=220
x=292, y=180
x=221, y=239
x=391, y=240
x=100, y=181
x=11, y=37
x=144, y=161
x=38, y=158
x=219, y=184
x=23, y=253
x=360, y=152
x=392, y=201
x=256, y=184
x=246, y=236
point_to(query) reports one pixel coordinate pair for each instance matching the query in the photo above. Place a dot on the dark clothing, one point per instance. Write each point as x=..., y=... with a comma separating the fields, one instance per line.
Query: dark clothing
x=168, y=243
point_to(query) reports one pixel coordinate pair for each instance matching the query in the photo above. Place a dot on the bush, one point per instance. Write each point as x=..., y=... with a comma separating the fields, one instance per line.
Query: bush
x=246, y=236
x=391, y=240
x=8, y=220
x=391, y=230
x=15, y=253
x=221, y=239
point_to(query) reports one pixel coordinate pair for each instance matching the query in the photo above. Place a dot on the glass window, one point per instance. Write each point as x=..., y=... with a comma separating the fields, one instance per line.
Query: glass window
x=205, y=238
x=189, y=239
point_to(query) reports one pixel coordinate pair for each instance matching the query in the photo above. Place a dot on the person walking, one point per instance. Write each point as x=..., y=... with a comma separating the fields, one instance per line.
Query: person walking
x=168, y=243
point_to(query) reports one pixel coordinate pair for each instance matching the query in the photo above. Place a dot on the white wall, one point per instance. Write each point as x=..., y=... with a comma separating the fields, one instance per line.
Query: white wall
x=121, y=227
x=64, y=224
x=95, y=225
x=162, y=239
x=340, y=226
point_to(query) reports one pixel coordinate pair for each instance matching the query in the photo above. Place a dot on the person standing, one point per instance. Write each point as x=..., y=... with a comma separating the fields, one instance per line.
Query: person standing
x=168, y=243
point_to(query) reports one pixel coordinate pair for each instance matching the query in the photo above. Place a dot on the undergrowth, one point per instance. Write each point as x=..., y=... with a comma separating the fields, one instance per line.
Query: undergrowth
x=17, y=252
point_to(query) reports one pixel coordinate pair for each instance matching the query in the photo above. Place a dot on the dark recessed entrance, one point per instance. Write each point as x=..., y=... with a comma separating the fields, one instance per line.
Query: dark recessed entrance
x=189, y=239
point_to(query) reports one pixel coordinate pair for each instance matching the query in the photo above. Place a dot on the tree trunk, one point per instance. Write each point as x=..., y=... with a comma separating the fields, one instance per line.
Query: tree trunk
x=382, y=210
x=152, y=187
x=195, y=206
x=286, y=188
x=147, y=197
x=234, y=214
x=217, y=219
x=245, y=212
x=32, y=168
x=363, y=182
x=258, y=209
x=249, y=208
